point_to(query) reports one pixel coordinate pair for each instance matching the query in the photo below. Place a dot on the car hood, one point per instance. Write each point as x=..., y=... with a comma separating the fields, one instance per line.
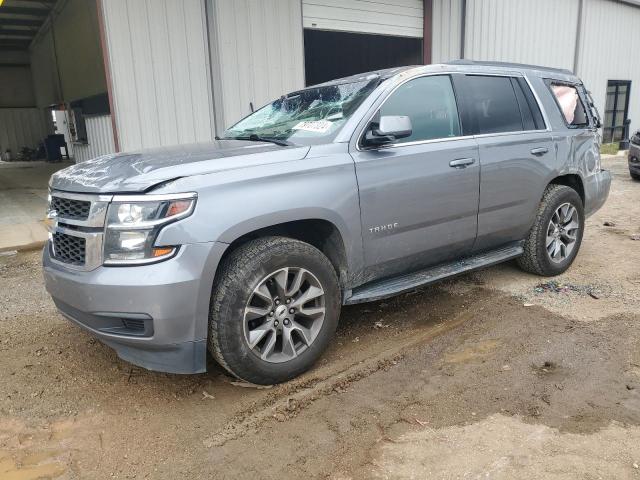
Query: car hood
x=140, y=171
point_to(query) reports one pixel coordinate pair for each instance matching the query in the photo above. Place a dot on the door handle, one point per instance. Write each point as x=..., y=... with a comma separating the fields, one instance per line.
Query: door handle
x=462, y=162
x=538, y=152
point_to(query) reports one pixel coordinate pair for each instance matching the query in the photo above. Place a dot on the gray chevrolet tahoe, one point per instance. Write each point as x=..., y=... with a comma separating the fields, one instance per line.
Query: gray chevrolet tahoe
x=350, y=191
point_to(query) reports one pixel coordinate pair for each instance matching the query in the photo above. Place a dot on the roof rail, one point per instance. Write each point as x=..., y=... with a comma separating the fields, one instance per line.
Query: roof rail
x=508, y=64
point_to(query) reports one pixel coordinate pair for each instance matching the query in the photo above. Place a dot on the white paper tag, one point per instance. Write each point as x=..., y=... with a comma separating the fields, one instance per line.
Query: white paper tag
x=318, y=126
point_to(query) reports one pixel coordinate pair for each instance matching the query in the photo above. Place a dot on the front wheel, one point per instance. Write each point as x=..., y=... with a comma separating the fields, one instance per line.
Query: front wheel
x=556, y=235
x=274, y=308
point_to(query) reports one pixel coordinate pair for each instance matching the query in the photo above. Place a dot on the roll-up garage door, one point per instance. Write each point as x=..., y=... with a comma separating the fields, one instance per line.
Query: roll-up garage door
x=403, y=18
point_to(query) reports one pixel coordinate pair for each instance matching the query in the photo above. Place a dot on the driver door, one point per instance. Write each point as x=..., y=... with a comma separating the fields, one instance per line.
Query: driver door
x=419, y=194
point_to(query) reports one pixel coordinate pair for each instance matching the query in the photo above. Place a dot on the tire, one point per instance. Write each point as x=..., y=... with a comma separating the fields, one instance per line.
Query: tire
x=635, y=176
x=537, y=257
x=238, y=293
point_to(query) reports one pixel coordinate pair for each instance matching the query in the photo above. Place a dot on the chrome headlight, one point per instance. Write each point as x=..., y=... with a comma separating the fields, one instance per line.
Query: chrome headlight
x=133, y=224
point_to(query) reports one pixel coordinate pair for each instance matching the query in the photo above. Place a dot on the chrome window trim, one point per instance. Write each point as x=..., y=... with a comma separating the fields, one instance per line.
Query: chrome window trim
x=461, y=137
x=504, y=134
x=545, y=118
x=419, y=142
x=447, y=139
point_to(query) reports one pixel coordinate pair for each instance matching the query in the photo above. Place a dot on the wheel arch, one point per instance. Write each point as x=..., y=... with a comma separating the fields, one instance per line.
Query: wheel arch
x=571, y=180
x=321, y=233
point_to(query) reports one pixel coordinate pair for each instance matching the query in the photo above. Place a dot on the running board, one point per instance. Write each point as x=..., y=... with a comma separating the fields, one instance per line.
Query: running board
x=381, y=289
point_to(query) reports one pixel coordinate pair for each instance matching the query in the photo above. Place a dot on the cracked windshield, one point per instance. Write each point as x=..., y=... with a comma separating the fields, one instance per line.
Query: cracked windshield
x=305, y=117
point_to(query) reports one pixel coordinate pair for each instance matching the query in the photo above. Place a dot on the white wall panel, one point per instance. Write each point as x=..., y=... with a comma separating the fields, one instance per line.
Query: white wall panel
x=160, y=71
x=447, y=19
x=608, y=51
x=99, y=139
x=21, y=127
x=541, y=32
x=259, y=49
x=386, y=17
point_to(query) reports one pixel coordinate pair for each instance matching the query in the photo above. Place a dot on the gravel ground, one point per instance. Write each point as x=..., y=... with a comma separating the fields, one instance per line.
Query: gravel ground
x=496, y=374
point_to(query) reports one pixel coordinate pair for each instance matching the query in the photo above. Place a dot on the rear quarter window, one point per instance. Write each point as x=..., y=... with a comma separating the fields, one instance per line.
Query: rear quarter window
x=570, y=104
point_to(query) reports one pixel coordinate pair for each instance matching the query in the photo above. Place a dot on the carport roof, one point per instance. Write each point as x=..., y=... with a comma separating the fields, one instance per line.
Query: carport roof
x=20, y=20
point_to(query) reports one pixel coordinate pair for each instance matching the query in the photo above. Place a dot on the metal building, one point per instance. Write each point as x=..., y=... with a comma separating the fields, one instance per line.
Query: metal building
x=121, y=75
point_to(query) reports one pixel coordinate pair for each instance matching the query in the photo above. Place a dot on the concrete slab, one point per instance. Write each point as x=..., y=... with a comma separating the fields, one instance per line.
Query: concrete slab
x=23, y=197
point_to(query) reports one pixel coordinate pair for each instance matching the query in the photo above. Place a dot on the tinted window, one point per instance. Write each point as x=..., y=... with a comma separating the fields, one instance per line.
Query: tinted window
x=492, y=104
x=430, y=104
x=525, y=111
x=531, y=101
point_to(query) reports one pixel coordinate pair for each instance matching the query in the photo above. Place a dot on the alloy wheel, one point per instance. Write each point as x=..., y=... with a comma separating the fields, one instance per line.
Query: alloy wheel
x=284, y=314
x=562, y=232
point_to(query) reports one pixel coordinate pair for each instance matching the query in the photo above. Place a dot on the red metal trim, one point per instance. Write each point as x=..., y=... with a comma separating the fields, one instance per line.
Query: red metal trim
x=107, y=72
x=427, y=37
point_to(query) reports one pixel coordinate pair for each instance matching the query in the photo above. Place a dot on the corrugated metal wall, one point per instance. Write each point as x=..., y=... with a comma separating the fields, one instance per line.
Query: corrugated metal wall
x=541, y=32
x=259, y=50
x=160, y=71
x=99, y=139
x=447, y=19
x=609, y=51
x=544, y=32
x=21, y=127
x=386, y=17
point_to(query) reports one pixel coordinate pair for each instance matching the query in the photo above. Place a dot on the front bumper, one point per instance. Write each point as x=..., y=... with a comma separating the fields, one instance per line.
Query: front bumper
x=596, y=189
x=154, y=316
x=634, y=159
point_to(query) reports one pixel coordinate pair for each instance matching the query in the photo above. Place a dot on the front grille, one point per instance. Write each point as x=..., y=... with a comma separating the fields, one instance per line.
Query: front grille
x=69, y=249
x=72, y=209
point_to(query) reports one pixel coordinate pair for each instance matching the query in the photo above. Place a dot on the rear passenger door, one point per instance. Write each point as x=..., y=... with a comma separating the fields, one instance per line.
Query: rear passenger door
x=516, y=154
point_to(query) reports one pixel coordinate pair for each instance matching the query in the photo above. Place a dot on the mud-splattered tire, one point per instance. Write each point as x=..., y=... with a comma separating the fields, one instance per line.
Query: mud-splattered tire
x=551, y=229
x=274, y=309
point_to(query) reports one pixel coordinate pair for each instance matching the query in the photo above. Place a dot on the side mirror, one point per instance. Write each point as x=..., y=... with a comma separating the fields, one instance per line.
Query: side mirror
x=390, y=128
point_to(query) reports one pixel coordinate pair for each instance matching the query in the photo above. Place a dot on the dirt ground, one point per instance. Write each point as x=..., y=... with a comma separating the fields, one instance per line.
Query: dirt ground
x=496, y=374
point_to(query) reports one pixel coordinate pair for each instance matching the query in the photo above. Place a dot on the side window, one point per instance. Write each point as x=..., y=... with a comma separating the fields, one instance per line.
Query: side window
x=529, y=108
x=570, y=104
x=430, y=104
x=491, y=104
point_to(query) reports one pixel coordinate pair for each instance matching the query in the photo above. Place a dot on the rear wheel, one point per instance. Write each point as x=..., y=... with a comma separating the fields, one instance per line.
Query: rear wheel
x=274, y=309
x=556, y=235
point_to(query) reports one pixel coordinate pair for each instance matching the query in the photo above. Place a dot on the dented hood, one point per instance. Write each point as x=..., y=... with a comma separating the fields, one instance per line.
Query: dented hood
x=140, y=171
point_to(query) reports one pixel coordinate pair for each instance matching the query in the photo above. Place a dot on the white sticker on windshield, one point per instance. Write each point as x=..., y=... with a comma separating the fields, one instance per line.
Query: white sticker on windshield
x=319, y=126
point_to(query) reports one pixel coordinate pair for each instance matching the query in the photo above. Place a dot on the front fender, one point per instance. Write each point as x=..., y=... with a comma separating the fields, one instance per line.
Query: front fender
x=231, y=204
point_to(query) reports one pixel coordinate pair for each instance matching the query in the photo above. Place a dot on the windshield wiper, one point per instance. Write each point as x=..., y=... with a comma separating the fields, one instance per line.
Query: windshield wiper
x=257, y=138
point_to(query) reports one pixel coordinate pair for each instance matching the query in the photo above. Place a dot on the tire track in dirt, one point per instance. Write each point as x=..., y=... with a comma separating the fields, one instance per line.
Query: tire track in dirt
x=298, y=395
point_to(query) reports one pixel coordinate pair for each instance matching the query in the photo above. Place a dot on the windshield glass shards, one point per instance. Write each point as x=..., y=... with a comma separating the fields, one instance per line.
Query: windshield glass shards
x=304, y=117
